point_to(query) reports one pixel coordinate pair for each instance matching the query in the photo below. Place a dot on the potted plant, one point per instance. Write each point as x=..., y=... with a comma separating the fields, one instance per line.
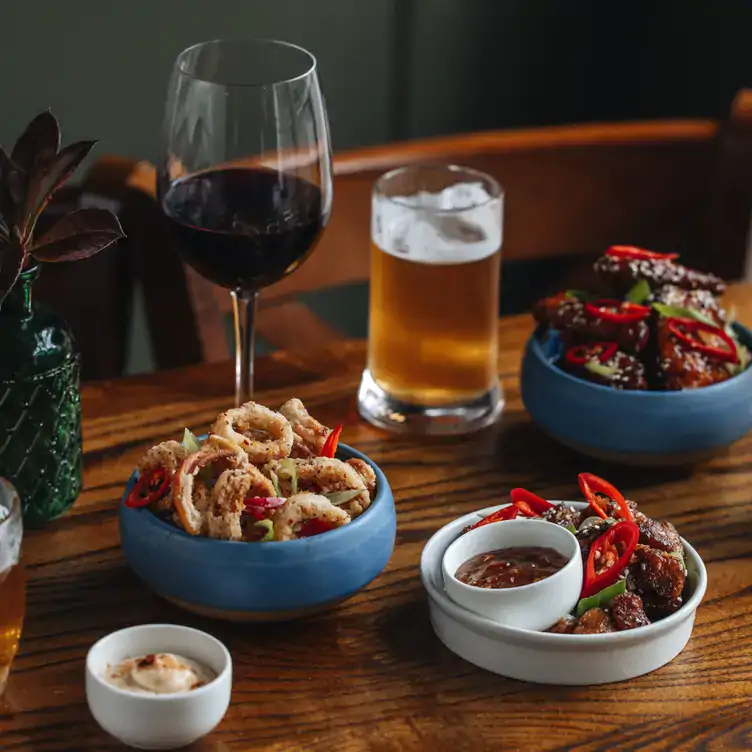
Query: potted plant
x=40, y=402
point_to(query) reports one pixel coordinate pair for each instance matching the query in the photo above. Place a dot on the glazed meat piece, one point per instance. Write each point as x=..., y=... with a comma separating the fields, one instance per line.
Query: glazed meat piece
x=586, y=536
x=564, y=515
x=659, y=608
x=571, y=317
x=612, y=509
x=619, y=274
x=558, y=311
x=684, y=368
x=565, y=625
x=594, y=621
x=703, y=301
x=662, y=535
x=620, y=370
x=654, y=571
x=627, y=611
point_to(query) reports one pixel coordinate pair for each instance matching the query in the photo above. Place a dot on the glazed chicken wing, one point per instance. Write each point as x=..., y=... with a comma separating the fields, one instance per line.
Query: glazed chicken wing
x=683, y=368
x=619, y=274
x=703, y=301
x=619, y=370
x=658, y=534
x=656, y=573
x=594, y=621
x=571, y=317
x=627, y=612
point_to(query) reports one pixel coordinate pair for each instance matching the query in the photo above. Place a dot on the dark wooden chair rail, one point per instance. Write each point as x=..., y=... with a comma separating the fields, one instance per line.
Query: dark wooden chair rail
x=680, y=185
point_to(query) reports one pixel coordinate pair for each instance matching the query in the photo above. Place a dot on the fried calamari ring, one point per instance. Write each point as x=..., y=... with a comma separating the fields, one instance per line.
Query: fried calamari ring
x=263, y=434
x=184, y=485
x=310, y=435
x=220, y=442
x=167, y=455
x=201, y=501
x=298, y=509
x=365, y=471
x=320, y=475
x=228, y=500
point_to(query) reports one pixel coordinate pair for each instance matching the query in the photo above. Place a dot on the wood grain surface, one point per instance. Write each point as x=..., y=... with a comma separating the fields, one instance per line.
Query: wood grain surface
x=371, y=675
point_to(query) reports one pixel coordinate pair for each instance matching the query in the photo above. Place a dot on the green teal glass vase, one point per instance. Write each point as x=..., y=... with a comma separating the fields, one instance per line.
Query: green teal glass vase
x=40, y=405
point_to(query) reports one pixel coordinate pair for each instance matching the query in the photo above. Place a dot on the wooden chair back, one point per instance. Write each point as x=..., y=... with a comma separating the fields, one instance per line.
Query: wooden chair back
x=570, y=191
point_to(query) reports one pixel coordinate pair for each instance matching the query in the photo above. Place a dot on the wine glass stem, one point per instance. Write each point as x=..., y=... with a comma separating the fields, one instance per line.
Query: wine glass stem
x=244, y=313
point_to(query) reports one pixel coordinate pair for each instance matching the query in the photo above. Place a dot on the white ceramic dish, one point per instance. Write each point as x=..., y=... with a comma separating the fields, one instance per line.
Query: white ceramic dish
x=158, y=721
x=547, y=658
x=536, y=606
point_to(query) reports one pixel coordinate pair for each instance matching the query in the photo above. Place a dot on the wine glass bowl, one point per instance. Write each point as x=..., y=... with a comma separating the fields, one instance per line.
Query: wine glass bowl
x=246, y=182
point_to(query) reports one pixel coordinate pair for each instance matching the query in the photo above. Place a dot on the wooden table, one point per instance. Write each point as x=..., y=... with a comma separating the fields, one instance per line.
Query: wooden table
x=371, y=675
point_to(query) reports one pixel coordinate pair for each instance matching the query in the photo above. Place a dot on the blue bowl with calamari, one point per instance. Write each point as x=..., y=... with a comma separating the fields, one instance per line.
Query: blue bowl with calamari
x=266, y=518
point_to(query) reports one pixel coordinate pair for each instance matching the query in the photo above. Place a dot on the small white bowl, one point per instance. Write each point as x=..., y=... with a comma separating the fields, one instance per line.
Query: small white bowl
x=536, y=606
x=158, y=721
x=546, y=658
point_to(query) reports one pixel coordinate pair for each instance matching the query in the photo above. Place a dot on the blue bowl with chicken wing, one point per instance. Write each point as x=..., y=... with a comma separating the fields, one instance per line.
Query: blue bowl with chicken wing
x=271, y=581
x=636, y=427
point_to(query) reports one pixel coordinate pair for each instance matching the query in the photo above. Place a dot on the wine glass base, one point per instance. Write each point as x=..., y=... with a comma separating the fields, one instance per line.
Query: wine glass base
x=382, y=410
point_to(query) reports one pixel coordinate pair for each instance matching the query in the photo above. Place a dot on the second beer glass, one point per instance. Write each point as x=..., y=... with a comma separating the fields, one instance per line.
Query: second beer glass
x=435, y=264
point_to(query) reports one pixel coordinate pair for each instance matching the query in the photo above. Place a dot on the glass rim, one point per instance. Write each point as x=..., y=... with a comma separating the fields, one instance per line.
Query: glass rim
x=180, y=61
x=497, y=192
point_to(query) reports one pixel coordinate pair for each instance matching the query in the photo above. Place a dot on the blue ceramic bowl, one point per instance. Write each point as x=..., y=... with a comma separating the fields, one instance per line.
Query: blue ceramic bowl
x=633, y=427
x=261, y=581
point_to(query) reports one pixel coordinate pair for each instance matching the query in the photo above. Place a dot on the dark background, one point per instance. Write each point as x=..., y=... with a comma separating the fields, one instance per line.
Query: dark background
x=391, y=69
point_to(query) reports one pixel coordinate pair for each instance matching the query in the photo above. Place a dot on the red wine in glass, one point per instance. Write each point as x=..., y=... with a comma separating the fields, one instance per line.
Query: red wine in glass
x=244, y=228
x=246, y=181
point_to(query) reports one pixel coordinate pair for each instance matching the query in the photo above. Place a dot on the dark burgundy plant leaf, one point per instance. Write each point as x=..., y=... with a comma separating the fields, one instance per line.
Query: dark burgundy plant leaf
x=48, y=176
x=38, y=142
x=17, y=185
x=78, y=235
x=12, y=256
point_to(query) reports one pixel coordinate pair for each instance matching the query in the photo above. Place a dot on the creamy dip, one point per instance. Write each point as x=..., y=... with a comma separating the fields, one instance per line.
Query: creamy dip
x=159, y=674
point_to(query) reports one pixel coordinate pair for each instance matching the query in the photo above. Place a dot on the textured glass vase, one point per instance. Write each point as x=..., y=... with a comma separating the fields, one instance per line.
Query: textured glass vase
x=40, y=405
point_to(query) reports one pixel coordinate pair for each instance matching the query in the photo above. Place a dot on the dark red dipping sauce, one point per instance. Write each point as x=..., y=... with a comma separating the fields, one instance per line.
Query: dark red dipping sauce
x=510, y=567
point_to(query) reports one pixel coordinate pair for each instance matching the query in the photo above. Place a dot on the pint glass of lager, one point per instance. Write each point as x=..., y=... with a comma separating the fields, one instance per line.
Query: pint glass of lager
x=435, y=263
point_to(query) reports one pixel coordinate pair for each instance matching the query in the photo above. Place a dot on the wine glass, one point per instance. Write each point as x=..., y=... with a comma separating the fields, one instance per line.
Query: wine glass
x=246, y=181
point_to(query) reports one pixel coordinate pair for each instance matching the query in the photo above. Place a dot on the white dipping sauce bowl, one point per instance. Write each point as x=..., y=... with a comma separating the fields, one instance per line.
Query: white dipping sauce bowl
x=148, y=721
x=536, y=606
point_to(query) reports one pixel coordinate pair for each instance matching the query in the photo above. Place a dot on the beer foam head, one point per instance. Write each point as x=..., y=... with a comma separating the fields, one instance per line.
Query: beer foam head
x=460, y=224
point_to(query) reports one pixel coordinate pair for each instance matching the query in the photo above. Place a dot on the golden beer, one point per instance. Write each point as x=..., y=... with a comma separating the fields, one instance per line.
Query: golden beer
x=435, y=269
x=12, y=584
x=433, y=327
x=12, y=607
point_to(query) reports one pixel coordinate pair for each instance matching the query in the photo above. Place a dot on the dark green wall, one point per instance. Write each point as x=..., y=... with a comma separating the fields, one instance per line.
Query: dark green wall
x=390, y=68
x=102, y=65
